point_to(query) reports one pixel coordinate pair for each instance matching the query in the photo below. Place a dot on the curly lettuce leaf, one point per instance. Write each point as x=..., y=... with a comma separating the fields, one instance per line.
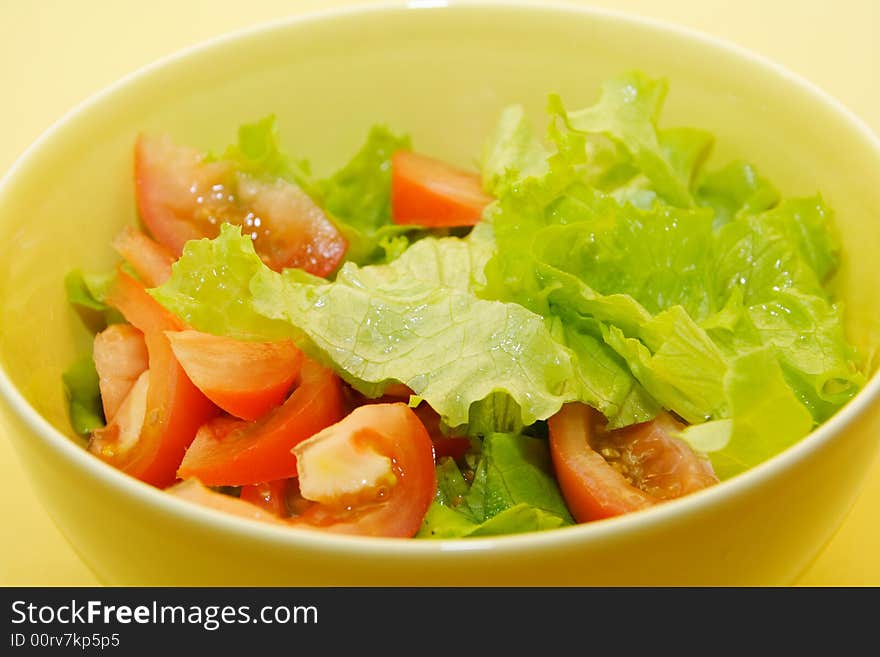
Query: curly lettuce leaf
x=766, y=417
x=211, y=288
x=512, y=152
x=679, y=277
x=733, y=189
x=378, y=326
x=258, y=152
x=627, y=112
x=413, y=321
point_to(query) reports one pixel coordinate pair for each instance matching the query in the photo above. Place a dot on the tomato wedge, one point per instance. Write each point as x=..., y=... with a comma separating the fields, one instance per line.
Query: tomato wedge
x=245, y=379
x=270, y=496
x=120, y=355
x=175, y=408
x=130, y=297
x=428, y=192
x=181, y=197
x=370, y=474
x=233, y=452
x=198, y=493
x=444, y=445
x=150, y=260
x=124, y=430
x=608, y=473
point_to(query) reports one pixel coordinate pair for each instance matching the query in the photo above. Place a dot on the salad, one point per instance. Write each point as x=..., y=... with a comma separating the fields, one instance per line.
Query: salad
x=592, y=324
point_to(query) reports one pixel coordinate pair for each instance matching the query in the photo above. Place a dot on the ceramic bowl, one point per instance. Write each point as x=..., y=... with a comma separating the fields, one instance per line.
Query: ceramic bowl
x=442, y=74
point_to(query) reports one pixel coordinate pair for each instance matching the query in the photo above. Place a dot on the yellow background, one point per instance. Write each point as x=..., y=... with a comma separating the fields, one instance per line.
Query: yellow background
x=54, y=53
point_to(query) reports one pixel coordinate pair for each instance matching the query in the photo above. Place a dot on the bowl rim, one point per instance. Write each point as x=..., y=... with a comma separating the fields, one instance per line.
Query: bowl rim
x=292, y=537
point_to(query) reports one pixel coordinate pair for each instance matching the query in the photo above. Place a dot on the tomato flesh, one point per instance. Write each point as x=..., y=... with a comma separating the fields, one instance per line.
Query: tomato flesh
x=270, y=496
x=198, y=493
x=392, y=506
x=181, y=197
x=609, y=473
x=150, y=260
x=245, y=379
x=651, y=455
x=120, y=355
x=428, y=192
x=232, y=452
x=175, y=408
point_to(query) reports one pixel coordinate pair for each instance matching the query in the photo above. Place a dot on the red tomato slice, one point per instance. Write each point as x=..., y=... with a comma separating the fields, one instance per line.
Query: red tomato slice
x=170, y=180
x=234, y=453
x=131, y=298
x=428, y=192
x=120, y=355
x=270, y=496
x=182, y=197
x=245, y=379
x=198, y=493
x=444, y=445
x=124, y=430
x=175, y=408
x=338, y=469
x=150, y=260
x=645, y=464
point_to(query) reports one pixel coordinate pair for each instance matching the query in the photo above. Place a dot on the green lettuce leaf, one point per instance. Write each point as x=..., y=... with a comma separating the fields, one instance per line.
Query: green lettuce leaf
x=627, y=112
x=669, y=279
x=513, y=491
x=497, y=413
x=87, y=293
x=358, y=196
x=512, y=152
x=443, y=522
x=514, y=469
x=83, y=395
x=258, y=153
x=211, y=288
x=88, y=290
x=766, y=417
x=735, y=188
x=411, y=321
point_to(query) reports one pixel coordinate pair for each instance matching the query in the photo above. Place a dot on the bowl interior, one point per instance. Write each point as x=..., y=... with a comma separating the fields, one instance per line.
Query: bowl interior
x=440, y=74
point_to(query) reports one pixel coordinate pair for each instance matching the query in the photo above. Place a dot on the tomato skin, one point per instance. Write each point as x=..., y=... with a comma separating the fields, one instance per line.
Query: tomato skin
x=182, y=197
x=175, y=407
x=120, y=355
x=169, y=179
x=150, y=260
x=270, y=496
x=235, y=453
x=662, y=465
x=395, y=431
x=245, y=379
x=428, y=192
